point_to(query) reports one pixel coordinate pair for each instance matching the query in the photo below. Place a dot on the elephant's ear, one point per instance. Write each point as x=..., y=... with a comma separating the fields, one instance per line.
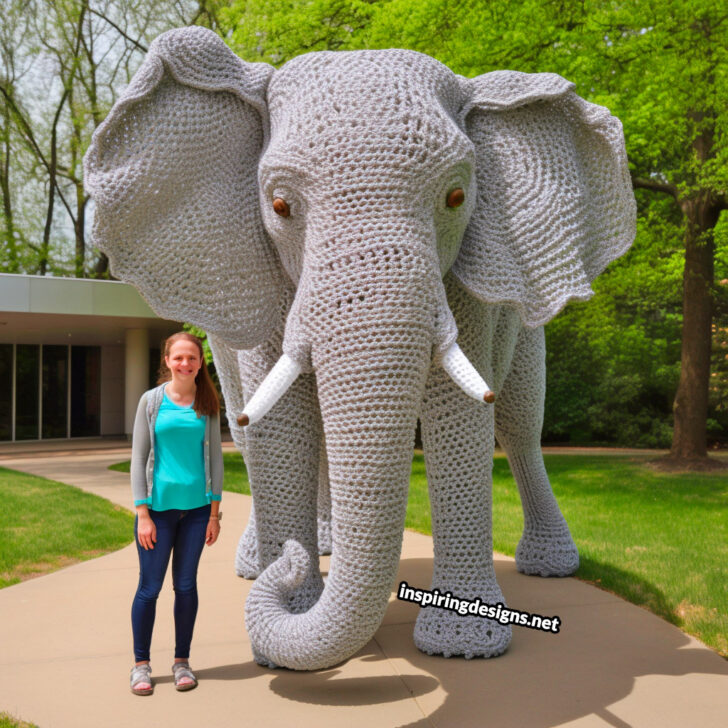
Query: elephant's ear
x=173, y=174
x=555, y=203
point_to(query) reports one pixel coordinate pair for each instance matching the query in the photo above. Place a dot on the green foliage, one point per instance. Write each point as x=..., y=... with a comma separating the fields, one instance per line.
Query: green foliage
x=9, y=721
x=200, y=334
x=614, y=362
x=259, y=30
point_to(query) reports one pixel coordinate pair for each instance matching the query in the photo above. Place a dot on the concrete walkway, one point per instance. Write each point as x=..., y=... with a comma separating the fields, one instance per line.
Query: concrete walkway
x=612, y=664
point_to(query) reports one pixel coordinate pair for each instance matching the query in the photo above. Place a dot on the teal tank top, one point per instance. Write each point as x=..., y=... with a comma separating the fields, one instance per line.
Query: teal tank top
x=179, y=458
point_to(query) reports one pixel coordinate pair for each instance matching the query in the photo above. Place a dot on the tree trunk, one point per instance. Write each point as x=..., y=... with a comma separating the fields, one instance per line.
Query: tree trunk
x=102, y=267
x=52, y=184
x=9, y=225
x=691, y=400
x=78, y=229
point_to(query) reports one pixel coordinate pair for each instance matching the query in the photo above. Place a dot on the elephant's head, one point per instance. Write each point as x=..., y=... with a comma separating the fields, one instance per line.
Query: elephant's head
x=361, y=178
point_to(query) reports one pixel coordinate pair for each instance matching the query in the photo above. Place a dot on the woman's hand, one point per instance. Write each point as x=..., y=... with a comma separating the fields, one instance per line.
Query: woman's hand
x=146, y=531
x=213, y=531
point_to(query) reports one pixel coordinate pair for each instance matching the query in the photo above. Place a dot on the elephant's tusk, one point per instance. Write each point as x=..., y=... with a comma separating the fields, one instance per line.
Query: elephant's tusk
x=464, y=374
x=271, y=389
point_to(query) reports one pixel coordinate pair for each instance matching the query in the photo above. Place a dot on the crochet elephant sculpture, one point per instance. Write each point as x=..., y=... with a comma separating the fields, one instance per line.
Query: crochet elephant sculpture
x=368, y=239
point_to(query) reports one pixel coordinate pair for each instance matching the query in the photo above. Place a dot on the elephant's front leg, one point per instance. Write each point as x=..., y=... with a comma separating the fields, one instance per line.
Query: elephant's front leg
x=546, y=547
x=247, y=558
x=457, y=436
x=282, y=458
x=324, y=502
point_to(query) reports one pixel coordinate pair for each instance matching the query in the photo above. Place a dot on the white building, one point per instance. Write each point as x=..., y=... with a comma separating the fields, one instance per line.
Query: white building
x=75, y=356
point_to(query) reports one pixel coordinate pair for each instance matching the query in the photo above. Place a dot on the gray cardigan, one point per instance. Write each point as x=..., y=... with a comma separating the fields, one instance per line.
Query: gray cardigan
x=142, y=450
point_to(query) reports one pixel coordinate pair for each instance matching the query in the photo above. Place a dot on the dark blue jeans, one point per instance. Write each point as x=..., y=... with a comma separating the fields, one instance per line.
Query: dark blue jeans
x=181, y=533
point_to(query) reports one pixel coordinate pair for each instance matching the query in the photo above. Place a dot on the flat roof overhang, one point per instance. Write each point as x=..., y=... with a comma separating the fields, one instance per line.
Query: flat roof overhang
x=42, y=309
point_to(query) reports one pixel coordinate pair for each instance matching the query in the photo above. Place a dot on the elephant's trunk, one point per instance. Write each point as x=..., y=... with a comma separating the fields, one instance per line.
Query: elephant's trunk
x=370, y=384
x=369, y=316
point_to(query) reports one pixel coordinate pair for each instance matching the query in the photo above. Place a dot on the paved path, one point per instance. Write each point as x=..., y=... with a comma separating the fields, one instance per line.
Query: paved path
x=612, y=664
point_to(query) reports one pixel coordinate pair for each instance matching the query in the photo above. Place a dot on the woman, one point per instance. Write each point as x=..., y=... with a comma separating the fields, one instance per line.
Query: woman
x=176, y=480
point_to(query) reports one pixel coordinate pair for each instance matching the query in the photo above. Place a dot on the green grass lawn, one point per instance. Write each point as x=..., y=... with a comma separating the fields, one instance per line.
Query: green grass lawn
x=8, y=721
x=659, y=540
x=235, y=479
x=45, y=525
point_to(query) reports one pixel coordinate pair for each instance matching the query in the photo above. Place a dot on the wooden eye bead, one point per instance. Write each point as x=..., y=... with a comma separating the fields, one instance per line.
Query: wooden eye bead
x=455, y=197
x=280, y=207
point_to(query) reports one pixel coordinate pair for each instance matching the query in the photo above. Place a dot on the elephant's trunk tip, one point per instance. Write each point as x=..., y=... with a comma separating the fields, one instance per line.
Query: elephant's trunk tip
x=465, y=375
x=271, y=389
x=266, y=603
x=278, y=580
x=292, y=566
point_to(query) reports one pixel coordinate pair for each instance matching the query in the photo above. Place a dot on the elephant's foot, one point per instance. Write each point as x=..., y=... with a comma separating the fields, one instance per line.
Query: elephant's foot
x=444, y=632
x=324, y=536
x=547, y=551
x=247, y=559
x=263, y=661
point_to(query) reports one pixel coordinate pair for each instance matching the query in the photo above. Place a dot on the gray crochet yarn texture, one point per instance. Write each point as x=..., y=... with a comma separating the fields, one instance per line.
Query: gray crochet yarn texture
x=313, y=211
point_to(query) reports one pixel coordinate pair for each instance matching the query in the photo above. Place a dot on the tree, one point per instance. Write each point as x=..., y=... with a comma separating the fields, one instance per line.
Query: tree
x=18, y=166
x=662, y=70
x=690, y=40
x=63, y=64
x=259, y=30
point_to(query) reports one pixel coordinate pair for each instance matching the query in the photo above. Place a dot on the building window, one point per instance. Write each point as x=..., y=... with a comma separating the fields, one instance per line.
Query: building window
x=55, y=391
x=27, y=389
x=6, y=391
x=48, y=401
x=85, y=391
x=155, y=354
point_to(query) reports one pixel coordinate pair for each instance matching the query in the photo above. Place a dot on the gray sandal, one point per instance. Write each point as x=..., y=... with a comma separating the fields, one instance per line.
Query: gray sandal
x=141, y=674
x=180, y=670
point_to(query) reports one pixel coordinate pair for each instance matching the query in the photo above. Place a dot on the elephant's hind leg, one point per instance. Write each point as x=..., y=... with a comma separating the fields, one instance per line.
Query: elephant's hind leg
x=546, y=547
x=457, y=435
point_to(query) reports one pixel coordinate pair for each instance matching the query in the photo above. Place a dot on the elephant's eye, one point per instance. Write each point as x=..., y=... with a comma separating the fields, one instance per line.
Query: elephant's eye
x=456, y=197
x=280, y=207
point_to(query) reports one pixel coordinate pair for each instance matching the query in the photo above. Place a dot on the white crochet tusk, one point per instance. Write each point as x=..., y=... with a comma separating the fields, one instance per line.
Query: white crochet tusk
x=464, y=374
x=271, y=389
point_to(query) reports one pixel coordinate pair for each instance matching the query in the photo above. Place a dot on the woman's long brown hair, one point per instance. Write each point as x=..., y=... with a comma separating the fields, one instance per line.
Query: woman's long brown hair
x=206, y=399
